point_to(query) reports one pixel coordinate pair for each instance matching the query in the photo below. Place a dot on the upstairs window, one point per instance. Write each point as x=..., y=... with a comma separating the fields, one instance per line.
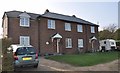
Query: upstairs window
x=51, y=24
x=67, y=27
x=79, y=28
x=92, y=29
x=24, y=21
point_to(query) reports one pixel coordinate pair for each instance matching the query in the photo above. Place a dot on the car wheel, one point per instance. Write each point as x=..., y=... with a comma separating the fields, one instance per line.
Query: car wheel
x=35, y=66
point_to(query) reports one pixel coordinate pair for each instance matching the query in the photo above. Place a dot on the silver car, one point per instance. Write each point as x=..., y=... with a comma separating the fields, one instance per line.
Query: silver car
x=25, y=56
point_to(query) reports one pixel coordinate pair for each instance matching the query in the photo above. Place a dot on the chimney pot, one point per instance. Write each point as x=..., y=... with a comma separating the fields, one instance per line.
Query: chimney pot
x=74, y=16
x=46, y=11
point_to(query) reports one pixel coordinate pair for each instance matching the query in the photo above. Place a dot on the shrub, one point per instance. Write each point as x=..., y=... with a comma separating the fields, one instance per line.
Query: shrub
x=7, y=60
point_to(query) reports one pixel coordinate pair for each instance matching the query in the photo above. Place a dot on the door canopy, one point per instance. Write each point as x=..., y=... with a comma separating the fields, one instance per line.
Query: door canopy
x=57, y=36
x=93, y=38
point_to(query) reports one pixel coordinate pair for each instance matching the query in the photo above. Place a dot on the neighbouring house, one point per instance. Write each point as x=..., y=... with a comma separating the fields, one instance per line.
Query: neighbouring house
x=51, y=32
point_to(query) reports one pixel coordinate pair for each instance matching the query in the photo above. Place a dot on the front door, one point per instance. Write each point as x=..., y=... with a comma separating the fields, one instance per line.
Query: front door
x=56, y=45
x=95, y=45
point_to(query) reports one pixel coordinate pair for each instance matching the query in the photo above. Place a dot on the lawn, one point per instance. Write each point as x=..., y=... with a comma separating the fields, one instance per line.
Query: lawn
x=87, y=59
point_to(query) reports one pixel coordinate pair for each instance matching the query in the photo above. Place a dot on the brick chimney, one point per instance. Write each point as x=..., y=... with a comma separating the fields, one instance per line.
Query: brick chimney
x=46, y=11
x=73, y=16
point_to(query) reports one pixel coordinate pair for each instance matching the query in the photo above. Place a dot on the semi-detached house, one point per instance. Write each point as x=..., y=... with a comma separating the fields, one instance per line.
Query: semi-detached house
x=50, y=32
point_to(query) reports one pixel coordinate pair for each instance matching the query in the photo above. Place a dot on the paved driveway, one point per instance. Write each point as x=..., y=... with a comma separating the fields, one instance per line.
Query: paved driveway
x=111, y=66
x=49, y=65
x=45, y=65
x=41, y=67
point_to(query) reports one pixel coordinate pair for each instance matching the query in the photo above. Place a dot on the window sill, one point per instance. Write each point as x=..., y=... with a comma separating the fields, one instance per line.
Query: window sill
x=24, y=26
x=92, y=32
x=68, y=47
x=81, y=47
x=51, y=28
x=79, y=32
x=68, y=30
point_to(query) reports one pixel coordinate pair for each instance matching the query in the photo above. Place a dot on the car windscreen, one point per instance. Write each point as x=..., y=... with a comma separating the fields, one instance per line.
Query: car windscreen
x=25, y=50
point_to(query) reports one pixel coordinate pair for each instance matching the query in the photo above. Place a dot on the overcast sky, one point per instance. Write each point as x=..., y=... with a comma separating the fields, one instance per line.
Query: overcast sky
x=103, y=11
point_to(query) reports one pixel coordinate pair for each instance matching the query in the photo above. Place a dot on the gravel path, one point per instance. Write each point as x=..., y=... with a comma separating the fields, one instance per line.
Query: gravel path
x=111, y=66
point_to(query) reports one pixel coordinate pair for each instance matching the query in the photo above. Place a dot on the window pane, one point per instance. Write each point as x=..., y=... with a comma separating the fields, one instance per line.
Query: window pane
x=21, y=21
x=79, y=28
x=68, y=43
x=21, y=51
x=112, y=43
x=25, y=50
x=51, y=24
x=24, y=21
x=80, y=42
x=21, y=40
x=67, y=26
x=24, y=40
x=92, y=29
x=31, y=50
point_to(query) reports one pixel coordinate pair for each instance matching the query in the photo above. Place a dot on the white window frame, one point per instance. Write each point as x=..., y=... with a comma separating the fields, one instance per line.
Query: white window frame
x=25, y=21
x=80, y=43
x=24, y=40
x=51, y=24
x=79, y=28
x=67, y=27
x=68, y=43
x=92, y=29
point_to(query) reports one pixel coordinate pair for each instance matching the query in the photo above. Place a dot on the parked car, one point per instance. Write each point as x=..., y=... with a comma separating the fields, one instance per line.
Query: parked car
x=25, y=56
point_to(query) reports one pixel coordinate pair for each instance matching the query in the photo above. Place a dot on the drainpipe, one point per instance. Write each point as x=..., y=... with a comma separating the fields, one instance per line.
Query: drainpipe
x=86, y=38
x=39, y=36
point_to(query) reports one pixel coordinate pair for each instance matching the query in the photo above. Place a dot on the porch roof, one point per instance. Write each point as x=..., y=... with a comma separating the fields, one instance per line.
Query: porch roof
x=57, y=36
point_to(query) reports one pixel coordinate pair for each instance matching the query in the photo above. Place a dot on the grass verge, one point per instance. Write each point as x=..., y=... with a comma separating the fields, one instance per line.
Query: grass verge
x=87, y=59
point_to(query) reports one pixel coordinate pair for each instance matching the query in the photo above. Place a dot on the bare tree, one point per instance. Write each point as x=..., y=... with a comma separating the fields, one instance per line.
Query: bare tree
x=108, y=32
x=112, y=28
